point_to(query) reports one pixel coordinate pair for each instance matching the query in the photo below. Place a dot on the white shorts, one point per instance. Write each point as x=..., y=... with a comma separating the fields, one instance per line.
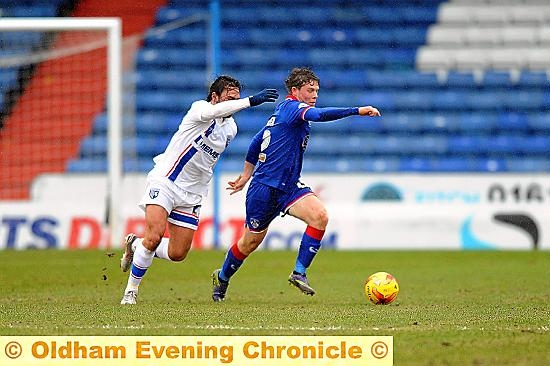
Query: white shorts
x=183, y=207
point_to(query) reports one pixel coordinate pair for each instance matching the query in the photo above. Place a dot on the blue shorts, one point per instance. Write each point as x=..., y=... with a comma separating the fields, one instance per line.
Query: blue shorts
x=265, y=203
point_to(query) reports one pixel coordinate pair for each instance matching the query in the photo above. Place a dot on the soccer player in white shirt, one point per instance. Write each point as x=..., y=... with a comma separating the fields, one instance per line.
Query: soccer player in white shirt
x=179, y=180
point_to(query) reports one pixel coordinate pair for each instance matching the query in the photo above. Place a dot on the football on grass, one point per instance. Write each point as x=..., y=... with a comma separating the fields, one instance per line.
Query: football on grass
x=381, y=288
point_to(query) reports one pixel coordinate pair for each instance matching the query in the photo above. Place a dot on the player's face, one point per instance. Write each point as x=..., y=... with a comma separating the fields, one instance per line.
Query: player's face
x=227, y=94
x=307, y=93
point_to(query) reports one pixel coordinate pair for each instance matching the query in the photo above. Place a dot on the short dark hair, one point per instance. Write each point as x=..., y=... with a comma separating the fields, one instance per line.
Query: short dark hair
x=300, y=76
x=222, y=82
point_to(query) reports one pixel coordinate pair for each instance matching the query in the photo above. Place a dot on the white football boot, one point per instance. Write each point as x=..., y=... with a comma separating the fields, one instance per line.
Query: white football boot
x=128, y=255
x=129, y=298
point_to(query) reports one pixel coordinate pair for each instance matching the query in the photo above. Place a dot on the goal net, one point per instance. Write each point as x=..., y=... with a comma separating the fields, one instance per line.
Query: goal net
x=56, y=76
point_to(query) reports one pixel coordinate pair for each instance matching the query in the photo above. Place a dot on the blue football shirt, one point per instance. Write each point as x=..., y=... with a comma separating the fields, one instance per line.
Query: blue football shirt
x=283, y=142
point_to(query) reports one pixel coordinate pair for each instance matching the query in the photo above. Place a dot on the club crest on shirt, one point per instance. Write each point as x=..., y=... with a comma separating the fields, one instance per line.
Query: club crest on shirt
x=154, y=193
x=254, y=223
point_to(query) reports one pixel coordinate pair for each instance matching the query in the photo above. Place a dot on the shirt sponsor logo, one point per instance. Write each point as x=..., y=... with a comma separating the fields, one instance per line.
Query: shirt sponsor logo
x=203, y=146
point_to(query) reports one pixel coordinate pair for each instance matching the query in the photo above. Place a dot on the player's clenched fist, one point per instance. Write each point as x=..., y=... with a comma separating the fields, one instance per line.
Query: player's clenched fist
x=368, y=111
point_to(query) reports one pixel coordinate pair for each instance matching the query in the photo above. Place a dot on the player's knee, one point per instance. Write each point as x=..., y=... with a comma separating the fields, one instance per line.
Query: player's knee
x=151, y=240
x=178, y=256
x=320, y=219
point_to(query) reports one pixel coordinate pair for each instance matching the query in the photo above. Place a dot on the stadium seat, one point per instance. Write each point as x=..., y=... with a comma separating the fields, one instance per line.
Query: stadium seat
x=30, y=11
x=512, y=121
x=477, y=122
x=169, y=14
x=539, y=122
x=87, y=165
x=456, y=79
x=496, y=79
x=530, y=79
x=529, y=165
x=469, y=93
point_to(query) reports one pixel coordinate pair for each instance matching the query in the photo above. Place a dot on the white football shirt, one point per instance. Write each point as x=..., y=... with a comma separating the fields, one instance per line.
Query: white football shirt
x=203, y=134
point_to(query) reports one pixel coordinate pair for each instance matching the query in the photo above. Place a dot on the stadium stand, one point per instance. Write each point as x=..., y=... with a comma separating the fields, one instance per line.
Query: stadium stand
x=20, y=160
x=462, y=84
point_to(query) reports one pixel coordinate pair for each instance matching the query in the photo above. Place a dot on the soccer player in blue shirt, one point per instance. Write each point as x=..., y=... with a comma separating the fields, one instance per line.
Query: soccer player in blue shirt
x=278, y=150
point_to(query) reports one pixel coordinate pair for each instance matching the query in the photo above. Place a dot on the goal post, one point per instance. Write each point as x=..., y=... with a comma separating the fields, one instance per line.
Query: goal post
x=113, y=100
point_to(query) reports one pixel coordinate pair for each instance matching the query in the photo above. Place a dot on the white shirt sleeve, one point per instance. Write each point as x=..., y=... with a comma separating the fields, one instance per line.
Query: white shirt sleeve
x=210, y=111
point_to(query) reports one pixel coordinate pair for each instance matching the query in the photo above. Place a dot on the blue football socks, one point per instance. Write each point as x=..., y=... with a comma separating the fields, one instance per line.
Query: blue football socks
x=233, y=261
x=310, y=245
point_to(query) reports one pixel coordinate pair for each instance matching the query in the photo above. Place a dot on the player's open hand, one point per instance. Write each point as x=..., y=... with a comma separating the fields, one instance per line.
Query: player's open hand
x=369, y=111
x=237, y=185
x=266, y=95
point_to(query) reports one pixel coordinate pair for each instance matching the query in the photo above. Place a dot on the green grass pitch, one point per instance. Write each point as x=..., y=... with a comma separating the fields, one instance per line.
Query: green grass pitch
x=454, y=308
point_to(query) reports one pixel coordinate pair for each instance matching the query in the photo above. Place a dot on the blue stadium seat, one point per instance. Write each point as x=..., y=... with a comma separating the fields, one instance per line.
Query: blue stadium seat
x=8, y=79
x=523, y=100
x=34, y=11
x=414, y=100
x=170, y=58
x=375, y=37
x=485, y=100
x=421, y=15
x=440, y=122
x=420, y=79
x=238, y=148
x=183, y=37
x=504, y=144
x=169, y=79
x=401, y=122
x=364, y=54
x=21, y=40
x=166, y=102
x=169, y=14
x=144, y=146
x=538, y=145
x=347, y=165
x=468, y=145
x=531, y=79
x=448, y=100
x=385, y=79
x=540, y=122
x=516, y=121
x=250, y=121
x=157, y=123
x=498, y=79
x=97, y=165
x=530, y=165
x=137, y=165
x=460, y=80
x=335, y=78
x=255, y=80
x=93, y=146
x=460, y=164
x=409, y=36
x=485, y=122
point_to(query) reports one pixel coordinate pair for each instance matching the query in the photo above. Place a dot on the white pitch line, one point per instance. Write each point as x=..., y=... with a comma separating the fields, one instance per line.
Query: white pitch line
x=543, y=329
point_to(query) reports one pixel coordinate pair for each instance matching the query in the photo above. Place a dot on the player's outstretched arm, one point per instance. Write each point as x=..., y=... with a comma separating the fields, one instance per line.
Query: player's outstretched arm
x=228, y=107
x=333, y=113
